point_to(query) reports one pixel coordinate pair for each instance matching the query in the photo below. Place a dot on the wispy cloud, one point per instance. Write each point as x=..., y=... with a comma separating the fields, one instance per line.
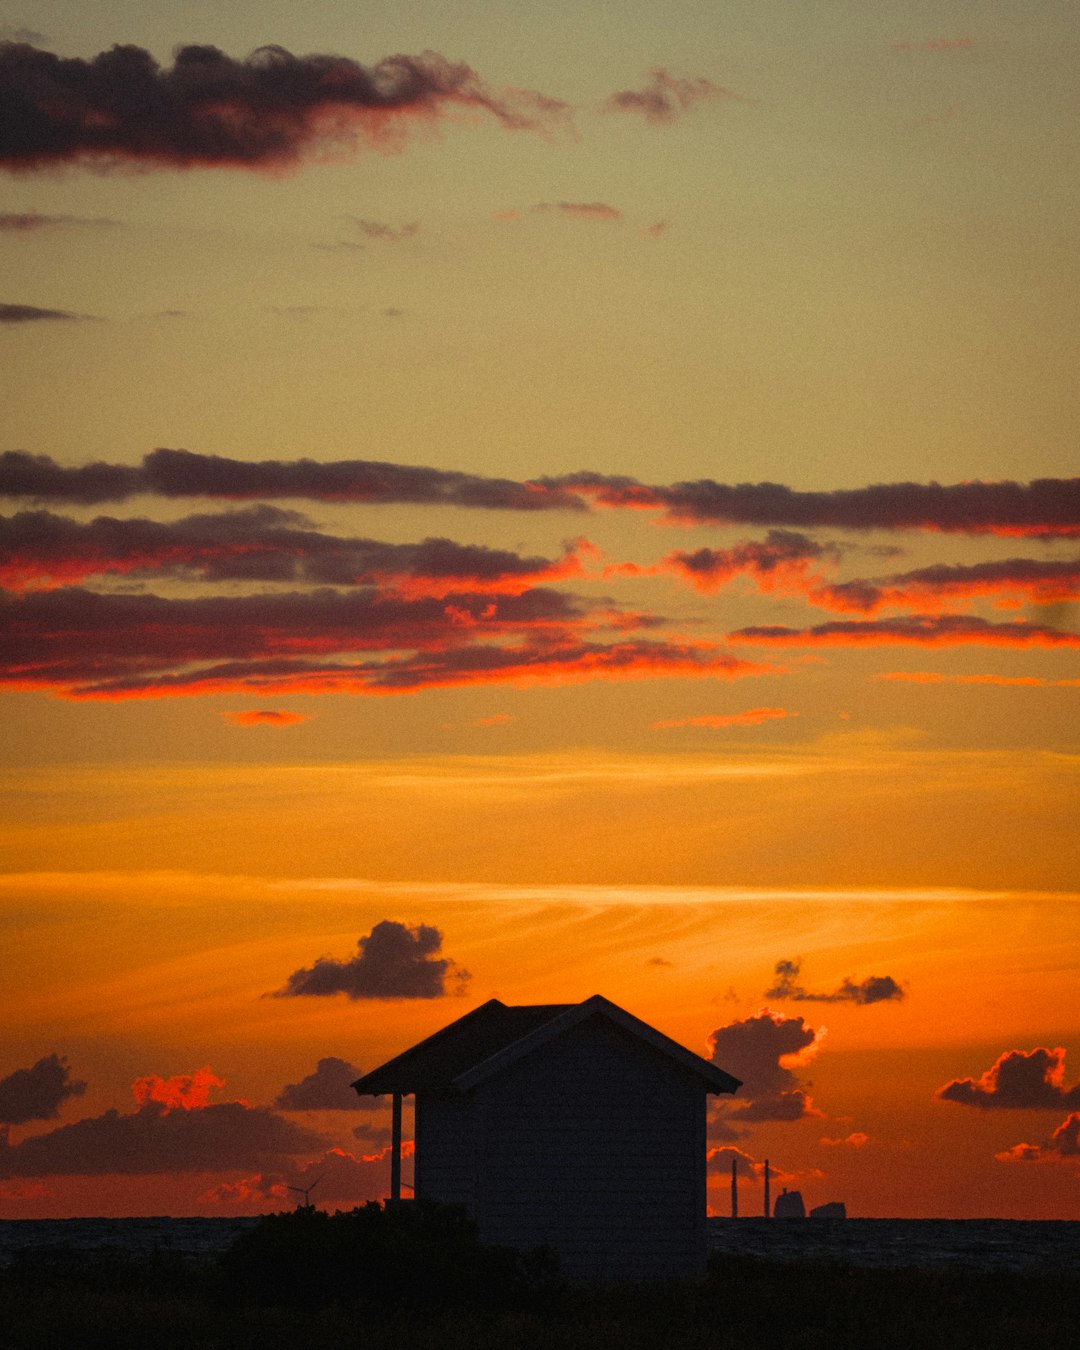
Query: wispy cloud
x=753, y=717
x=582, y=210
x=928, y=630
x=265, y=717
x=32, y=314
x=873, y=989
x=665, y=97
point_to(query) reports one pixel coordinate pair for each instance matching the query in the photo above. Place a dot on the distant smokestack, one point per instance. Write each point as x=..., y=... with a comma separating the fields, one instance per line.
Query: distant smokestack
x=734, y=1191
x=767, y=1214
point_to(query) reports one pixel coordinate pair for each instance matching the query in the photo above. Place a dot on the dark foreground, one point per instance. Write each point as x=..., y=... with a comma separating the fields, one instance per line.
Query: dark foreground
x=381, y=1282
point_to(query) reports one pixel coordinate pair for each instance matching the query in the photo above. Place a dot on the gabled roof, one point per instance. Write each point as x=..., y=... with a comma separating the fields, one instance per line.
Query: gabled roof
x=494, y=1036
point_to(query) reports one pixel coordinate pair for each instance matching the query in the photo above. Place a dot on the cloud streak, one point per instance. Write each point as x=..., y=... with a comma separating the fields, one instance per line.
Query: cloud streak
x=752, y=717
x=666, y=97
x=19, y=314
x=1044, y=507
x=927, y=630
x=270, y=111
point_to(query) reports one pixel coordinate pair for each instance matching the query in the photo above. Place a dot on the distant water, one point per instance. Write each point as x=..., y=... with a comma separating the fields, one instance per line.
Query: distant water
x=937, y=1244
x=1032, y=1245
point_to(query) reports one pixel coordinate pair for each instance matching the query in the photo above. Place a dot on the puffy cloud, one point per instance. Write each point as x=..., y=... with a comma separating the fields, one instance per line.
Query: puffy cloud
x=1064, y=1143
x=268, y=111
x=336, y=1177
x=752, y=717
x=763, y=1051
x=39, y=1092
x=1017, y=1080
x=265, y=717
x=1044, y=507
x=928, y=630
x=393, y=961
x=181, y=1091
x=223, y=1137
x=874, y=989
x=666, y=97
x=32, y=314
x=329, y=1088
x=260, y=543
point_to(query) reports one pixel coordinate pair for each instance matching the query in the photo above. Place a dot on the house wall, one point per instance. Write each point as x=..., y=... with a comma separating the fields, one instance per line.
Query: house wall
x=594, y=1145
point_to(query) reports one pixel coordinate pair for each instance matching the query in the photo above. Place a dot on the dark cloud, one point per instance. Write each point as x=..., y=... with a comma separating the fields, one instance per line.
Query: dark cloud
x=1017, y=1080
x=157, y=1139
x=1045, y=507
x=268, y=111
x=265, y=717
x=1063, y=1143
x=260, y=543
x=874, y=989
x=32, y=314
x=927, y=630
x=329, y=1088
x=180, y=473
x=393, y=961
x=666, y=97
x=752, y=1050
x=39, y=1092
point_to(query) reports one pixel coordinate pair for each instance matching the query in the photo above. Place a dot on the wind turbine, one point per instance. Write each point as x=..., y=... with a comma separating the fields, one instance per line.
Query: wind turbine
x=305, y=1191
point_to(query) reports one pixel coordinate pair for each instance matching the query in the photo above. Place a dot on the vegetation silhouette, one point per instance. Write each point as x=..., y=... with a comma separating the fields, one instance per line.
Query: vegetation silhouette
x=416, y=1255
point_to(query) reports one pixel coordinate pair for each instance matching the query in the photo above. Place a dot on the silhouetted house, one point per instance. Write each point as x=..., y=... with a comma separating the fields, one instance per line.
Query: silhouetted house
x=571, y=1126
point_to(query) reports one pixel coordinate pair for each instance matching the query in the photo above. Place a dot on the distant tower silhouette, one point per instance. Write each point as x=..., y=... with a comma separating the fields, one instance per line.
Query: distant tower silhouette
x=734, y=1191
x=789, y=1205
x=768, y=1211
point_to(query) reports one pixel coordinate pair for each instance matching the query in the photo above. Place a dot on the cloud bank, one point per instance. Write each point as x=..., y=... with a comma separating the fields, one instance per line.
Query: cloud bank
x=1017, y=1080
x=39, y=1092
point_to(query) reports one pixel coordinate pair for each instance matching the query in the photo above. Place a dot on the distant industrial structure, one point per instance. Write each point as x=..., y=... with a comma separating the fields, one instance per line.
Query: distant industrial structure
x=572, y=1126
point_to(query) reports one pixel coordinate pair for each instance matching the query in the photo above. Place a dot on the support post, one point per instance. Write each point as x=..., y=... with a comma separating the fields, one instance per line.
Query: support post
x=767, y=1214
x=395, y=1150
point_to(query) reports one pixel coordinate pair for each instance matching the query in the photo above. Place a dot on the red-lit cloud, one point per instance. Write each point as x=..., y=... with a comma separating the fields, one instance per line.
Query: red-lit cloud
x=1006, y=681
x=1017, y=1080
x=1063, y=1144
x=854, y=1140
x=82, y=644
x=782, y=563
x=928, y=630
x=1014, y=580
x=1045, y=507
x=666, y=97
x=260, y=543
x=182, y=1091
x=265, y=717
x=269, y=111
x=393, y=961
x=753, y=717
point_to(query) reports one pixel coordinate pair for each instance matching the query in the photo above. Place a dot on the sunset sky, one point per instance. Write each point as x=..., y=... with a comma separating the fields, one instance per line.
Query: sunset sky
x=525, y=502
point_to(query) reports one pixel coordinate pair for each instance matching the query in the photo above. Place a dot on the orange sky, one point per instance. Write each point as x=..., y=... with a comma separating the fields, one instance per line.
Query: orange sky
x=593, y=515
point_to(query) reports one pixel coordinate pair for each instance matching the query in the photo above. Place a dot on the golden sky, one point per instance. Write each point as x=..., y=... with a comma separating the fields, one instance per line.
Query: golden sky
x=503, y=503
